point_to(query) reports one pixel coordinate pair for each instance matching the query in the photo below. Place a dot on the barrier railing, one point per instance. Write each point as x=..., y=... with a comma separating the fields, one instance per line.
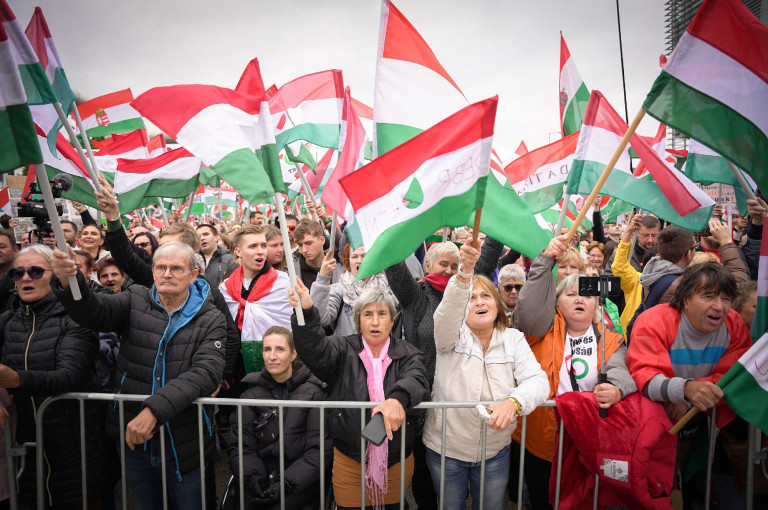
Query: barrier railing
x=755, y=457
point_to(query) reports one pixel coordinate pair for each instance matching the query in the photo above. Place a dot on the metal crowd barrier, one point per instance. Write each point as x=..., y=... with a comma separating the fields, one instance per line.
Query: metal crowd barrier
x=755, y=457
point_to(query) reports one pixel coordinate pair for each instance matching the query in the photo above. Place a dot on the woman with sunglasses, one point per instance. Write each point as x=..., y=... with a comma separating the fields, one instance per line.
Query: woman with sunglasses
x=511, y=281
x=45, y=353
x=146, y=242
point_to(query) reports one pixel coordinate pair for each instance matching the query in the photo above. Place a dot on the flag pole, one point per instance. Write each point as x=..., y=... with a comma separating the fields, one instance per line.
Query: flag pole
x=563, y=211
x=476, y=226
x=742, y=181
x=334, y=219
x=288, y=259
x=78, y=148
x=87, y=144
x=604, y=177
x=685, y=419
x=53, y=216
x=162, y=209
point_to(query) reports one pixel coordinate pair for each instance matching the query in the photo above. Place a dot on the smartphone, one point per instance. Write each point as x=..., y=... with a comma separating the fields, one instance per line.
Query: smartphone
x=375, y=432
x=592, y=285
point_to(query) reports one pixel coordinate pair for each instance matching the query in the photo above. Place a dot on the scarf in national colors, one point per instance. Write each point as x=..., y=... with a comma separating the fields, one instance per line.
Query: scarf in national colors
x=376, y=473
x=234, y=286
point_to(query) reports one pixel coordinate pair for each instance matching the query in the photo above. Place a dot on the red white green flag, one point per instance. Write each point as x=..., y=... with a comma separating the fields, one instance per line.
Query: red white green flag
x=173, y=175
x=128, y=146
x=319, y=177
x=413, y=91
x=5, y=202
x=436, y=179
x=666, y=192
x=110, y=113
x=714, y=87
x=309, y=109
x=574, y=94
x=539, y=175
x=67, y=161
x=760, y=322
x=18, y=138
x=745, y=385
x=231, y=132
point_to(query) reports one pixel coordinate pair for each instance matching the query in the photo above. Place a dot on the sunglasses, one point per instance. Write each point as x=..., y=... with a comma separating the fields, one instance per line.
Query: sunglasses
x=508, y=288
x=34, y=272
x=143, y=245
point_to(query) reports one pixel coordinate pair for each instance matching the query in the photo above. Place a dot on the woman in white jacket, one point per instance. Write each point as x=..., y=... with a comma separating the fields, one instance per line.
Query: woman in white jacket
x=478, y=359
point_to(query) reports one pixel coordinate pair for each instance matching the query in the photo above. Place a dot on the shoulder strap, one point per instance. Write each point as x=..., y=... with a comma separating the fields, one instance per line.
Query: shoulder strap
x=659, y=288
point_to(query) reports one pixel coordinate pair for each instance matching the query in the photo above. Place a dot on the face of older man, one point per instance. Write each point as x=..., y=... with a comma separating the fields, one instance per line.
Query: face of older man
x=173, y=275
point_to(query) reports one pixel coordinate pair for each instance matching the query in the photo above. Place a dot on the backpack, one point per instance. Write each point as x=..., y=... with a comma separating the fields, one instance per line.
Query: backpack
x=652, y=299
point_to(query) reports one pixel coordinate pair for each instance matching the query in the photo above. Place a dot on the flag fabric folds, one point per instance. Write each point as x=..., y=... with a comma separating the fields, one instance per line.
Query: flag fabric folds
x=435, y=179
x=173, y=174
x=600, y=135
x=745, y=386
x=230, y=132
x=413, y=91
x=714, y=87
x=18, y=138
x=110, y=113
x=67, y=161
x=574, y=94
x=760, y=322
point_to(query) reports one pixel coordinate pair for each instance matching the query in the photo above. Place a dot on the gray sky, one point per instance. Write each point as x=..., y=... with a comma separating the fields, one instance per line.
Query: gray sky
x=505, y=47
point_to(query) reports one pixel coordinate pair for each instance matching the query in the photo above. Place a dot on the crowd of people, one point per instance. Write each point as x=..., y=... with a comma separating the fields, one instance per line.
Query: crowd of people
x=205, y=308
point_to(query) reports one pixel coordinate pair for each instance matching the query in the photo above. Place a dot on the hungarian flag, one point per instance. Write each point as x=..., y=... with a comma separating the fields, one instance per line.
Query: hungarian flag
x=540, y=174
x=504, y=207
x=231, y=132
x=599, y=137
x=760, y=322
x=574, y=94
x=714, y=87
x=351, y=155
x=658, y=144
x=157, y=146
x=18, y=138
x=745, y=386
x=434, y=180
x=705, y=166
x=110, y=113
x=413, y=91
x=129, y=146
x=5, y=202
x=309, y=109
x=67, y=161
x=197, y=202
x=251, y=82
x=173, y=174
x=42, y=42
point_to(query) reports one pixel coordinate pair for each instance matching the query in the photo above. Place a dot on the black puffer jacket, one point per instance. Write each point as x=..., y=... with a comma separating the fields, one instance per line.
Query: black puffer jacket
x=53, y=355
x=185, y=366
x=335, y=360
x=301, y=430
x=220, y=266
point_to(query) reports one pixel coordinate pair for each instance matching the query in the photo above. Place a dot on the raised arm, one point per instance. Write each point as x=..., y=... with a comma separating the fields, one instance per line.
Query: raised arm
x=536, y=303
x=450, y=313
x=402, y=284
x=489, y=257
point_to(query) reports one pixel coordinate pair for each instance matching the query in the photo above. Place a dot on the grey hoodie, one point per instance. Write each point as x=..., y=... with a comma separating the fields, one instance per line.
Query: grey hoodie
x=655, y=269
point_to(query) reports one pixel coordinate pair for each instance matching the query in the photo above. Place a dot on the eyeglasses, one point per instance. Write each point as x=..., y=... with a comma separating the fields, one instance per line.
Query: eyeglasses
x=696, y=246
x=508, y=288
x=175, y=270
x=647, y=236
x=143, y=245
x=34, y=272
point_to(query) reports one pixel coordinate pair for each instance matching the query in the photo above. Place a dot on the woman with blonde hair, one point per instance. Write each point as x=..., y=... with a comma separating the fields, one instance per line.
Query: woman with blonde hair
x=479, y=358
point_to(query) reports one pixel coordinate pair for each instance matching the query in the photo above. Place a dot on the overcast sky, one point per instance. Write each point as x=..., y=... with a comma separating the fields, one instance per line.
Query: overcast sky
x=505, y=47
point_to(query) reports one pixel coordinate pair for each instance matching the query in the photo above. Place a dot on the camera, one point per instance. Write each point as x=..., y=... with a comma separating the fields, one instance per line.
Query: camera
x=35, y=207
x=603, y=286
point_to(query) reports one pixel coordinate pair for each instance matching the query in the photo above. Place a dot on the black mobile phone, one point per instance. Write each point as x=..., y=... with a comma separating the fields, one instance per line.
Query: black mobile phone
x=375, y=432
x=592, y=285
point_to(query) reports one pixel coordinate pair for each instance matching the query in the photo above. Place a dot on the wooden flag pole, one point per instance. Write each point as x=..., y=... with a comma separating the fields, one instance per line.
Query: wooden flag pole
x=78, y=148
x=685, y=419
x=476, y=226
x=334, y=219
x=53, y=216
x=87, y=144
x=604, y=177
x=287, y=247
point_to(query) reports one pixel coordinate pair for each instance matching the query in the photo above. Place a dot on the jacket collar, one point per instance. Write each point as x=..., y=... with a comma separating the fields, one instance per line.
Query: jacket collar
x=397, y=347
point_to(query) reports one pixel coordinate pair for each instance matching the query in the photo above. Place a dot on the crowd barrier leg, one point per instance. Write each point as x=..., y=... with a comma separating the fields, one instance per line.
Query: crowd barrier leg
x=322, y=459
x=163, y=470
x=442, y=458
x=483, y=443
x=123, y=480
x=281, y=448
x=362, y=461
x=10, y=465
x=241, y=482
x=201, y=451
x=559, y=465
x=521, y=469
x=403, y=433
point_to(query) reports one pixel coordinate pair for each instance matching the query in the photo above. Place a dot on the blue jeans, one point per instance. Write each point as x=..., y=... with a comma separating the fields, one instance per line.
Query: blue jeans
x=143, y=473
x=458, y=473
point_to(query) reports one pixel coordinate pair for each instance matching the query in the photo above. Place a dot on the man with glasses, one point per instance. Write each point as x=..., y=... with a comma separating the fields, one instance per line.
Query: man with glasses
x=172, y=350
x=648, y=227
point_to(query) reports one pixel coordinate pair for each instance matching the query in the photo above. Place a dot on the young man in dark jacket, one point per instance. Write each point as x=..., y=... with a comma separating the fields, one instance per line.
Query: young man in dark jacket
x=219, y=263
x=171, y=350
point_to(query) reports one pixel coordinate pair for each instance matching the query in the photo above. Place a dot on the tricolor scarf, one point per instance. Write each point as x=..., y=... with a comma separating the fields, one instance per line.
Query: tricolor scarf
x=376, y=471
x=261, y=288
x=351, y=289
x=438, y=281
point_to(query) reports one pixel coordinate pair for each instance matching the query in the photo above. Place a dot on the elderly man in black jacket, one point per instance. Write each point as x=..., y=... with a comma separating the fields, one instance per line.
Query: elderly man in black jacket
x=172, y=351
